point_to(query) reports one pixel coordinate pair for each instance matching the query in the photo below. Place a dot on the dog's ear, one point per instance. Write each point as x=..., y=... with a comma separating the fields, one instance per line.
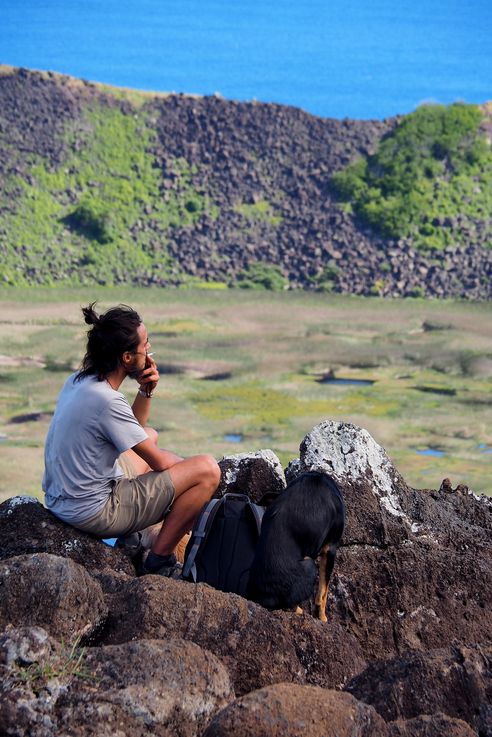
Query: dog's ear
x=270, y=602
x=302, y=583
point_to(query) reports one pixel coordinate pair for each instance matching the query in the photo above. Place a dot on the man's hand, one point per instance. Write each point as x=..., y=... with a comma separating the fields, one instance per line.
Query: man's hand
x=149, y=377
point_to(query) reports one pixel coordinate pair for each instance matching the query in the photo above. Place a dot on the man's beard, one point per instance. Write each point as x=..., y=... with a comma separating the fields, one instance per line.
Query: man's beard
x=134, y=373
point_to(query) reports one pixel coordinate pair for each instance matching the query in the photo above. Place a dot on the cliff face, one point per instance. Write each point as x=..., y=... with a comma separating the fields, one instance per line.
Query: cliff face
x=104, y=186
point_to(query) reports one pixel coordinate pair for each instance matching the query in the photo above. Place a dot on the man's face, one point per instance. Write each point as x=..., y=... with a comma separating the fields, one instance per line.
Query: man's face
x=137, y=365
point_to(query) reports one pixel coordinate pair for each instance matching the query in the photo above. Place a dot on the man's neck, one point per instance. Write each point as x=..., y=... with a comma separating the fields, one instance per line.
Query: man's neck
x=116, y=377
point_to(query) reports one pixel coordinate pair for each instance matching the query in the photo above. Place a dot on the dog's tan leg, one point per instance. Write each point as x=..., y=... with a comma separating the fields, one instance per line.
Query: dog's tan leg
x=181, y=547
x=149, y=534
x=322, y=593
x=299, y=610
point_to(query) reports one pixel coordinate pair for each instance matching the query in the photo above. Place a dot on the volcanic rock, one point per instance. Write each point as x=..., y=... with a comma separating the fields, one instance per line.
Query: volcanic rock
x=27, y=527
x=286, y=710
x=252, y=474
x=437, y=725
x=456, y=681
x=154, y=687
x=414, y=566
x=50, y=592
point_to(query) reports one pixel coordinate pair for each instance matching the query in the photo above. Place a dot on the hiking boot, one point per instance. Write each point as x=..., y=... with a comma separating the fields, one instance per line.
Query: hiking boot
x=161, y=565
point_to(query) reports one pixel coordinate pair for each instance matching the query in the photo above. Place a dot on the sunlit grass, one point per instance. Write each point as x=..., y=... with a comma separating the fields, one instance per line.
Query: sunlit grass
x=431, y=389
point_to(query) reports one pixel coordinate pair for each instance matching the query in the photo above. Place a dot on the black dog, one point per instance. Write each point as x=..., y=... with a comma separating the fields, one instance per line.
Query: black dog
x=304, y=522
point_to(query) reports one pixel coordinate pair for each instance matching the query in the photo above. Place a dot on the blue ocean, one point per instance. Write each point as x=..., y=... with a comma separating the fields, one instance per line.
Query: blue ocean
x=334, y=58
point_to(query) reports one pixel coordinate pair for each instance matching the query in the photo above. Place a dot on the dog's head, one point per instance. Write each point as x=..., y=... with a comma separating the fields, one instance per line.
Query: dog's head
x=294, y=588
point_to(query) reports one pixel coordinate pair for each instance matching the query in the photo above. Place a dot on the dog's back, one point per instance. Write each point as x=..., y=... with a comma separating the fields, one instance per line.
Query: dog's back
x=307, y=516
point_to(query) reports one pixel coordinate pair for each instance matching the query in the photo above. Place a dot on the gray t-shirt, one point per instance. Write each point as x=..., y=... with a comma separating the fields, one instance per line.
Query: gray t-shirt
x=91, y=426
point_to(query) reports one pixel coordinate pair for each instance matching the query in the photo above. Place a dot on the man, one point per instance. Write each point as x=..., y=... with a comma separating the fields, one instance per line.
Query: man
x=94, y=431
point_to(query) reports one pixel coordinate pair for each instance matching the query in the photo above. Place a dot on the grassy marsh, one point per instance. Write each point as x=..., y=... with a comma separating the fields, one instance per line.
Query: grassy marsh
x=248, y=365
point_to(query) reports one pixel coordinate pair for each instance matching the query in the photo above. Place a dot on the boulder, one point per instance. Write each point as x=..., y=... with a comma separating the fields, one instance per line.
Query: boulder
x=252, y=643
x=456, y=681
x=257, y=647
x=437, y=725
x=371, y=484
x=289, y=710
x=414, y=567
x=27, y=527
x=51, y=592
x=416, y=596
x=251, y=473
x=163, y=688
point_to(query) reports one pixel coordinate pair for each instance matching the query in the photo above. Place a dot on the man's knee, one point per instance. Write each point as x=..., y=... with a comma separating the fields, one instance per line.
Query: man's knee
x=209, y=471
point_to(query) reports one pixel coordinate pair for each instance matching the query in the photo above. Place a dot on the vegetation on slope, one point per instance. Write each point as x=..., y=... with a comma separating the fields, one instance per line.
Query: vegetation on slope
x=434, y=168
x=76, y=223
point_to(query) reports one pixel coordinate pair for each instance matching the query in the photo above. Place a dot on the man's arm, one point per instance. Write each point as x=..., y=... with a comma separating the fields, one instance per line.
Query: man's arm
x=157, y=459
x=141, y=409
x=148, y=380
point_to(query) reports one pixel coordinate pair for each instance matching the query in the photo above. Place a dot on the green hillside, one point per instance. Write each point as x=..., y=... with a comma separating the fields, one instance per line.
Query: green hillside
x=101, y=185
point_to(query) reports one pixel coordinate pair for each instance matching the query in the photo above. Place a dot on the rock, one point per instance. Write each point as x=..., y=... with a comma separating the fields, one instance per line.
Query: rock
x=254, y=474
x=293, y=469
x=417, y=596
x=328, y=653
x=437, y=725
x=24, y=645
x=414, y=567
x=157, y=687
x=456, y=681
x=288, y=710
x=258, y=647
x=371, y=484
x=252, y=643
x=51, y=592
x=27, y=527
x=139, y=688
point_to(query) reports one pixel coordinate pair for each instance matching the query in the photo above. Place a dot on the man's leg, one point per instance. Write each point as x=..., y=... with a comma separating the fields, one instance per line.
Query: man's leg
x=195, y=480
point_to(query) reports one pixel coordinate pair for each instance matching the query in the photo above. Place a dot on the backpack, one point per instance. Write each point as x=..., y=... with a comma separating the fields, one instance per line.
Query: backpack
x=222, y=546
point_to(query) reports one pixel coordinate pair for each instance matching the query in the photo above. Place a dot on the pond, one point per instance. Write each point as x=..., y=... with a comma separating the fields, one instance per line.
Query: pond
x=354, y=382
x=233, y=438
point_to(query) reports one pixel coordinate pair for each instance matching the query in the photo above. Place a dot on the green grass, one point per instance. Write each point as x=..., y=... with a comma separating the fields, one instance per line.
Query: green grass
x=273, y=347
x=261, y=211
x=64, y=665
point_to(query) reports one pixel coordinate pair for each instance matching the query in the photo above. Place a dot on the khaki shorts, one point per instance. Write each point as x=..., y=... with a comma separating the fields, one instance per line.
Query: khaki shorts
x=133, y=504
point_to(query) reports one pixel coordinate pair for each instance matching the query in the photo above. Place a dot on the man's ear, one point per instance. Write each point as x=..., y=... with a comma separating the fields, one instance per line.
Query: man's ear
x=126, y=358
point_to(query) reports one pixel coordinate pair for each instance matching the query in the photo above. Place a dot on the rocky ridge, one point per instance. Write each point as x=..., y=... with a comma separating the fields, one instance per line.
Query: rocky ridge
x=89, y=648
x=266, y=171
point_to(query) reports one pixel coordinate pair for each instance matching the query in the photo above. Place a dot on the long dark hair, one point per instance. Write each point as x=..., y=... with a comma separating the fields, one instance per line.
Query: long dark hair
x=111, y=334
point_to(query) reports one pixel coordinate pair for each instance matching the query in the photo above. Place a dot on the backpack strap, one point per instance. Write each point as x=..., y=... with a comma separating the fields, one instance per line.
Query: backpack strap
x=204, y=521
x=258, y=513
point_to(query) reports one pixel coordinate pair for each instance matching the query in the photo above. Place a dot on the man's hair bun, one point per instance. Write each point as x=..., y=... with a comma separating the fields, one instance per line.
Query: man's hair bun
x=90, y=315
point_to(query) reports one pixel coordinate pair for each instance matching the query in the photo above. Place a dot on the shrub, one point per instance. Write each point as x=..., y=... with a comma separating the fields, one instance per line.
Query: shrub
x=259, y=275
x=436, y=160
x=92, y=220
